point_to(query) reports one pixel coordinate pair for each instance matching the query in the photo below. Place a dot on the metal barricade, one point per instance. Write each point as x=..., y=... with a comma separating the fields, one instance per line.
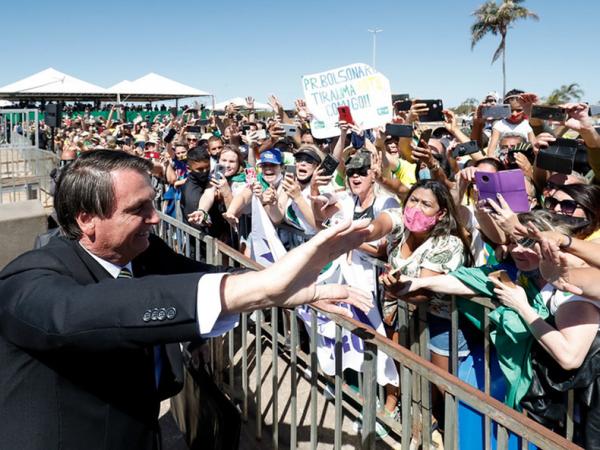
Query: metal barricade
x=25, y=174
x=243, y=359
x=19, y=128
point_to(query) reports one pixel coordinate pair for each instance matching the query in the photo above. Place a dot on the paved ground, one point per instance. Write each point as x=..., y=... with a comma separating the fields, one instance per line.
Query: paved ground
x=325, y=414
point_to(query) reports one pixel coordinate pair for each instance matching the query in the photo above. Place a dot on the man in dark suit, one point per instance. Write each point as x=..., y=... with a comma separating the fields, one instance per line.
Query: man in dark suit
x=84, y=320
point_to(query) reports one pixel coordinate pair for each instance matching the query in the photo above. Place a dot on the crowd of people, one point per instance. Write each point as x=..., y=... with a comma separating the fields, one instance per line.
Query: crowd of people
x=507, y=208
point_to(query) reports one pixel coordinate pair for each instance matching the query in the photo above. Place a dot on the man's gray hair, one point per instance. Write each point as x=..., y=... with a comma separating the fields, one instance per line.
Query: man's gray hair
x=86, y=185
x=512, y=134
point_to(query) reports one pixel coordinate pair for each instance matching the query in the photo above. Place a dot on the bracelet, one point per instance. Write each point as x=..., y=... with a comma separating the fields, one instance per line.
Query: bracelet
x=568, y=244
x=204, y=214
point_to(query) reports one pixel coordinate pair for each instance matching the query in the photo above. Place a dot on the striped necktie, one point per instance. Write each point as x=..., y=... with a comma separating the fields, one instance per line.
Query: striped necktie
x=125, y=273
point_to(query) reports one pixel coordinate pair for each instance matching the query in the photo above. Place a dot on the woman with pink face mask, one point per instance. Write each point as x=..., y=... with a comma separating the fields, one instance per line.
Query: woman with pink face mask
x=425, y=239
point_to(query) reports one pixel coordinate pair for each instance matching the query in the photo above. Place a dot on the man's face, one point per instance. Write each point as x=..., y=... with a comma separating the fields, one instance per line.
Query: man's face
x=124, y=235
x=215, y=147
x=198, y=166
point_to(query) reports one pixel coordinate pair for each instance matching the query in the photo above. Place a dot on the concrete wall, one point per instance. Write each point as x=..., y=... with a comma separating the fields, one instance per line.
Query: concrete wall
x=20, y=223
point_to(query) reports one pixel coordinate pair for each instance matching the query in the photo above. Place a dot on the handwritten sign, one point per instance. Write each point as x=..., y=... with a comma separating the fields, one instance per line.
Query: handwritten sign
x=358, y=86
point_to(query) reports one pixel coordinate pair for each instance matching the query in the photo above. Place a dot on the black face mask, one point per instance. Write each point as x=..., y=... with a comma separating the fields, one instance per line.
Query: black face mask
x=199, y=178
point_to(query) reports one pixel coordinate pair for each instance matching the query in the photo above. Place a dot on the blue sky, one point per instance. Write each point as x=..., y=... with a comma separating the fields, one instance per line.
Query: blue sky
x=238, y=48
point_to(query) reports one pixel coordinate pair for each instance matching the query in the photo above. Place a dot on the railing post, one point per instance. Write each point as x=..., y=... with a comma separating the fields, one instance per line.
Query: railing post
x=339, y=379
x=275, y=375
x=370, y=393
x=294, y=380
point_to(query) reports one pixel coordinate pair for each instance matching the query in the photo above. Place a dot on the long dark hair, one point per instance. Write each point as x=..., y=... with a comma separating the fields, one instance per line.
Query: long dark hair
x=449, y=223
x=588, y=197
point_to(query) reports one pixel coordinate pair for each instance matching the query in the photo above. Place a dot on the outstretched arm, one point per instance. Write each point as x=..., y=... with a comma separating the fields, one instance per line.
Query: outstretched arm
x=291, y=280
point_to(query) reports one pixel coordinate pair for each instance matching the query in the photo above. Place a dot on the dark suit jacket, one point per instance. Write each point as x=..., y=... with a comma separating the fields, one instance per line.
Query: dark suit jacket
x=76, y=346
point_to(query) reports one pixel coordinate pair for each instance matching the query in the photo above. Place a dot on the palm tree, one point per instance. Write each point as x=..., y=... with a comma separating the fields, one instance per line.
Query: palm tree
x=564, y=94
x=497, y=19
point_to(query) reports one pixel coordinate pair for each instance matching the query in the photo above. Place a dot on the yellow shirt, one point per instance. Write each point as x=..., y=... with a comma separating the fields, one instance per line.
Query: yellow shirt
x=592, y=237
x=405, y=172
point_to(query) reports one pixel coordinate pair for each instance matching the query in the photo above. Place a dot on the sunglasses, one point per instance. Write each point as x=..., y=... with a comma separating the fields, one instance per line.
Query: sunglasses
x=567, y=207
x=306, y=159
x=362, y=172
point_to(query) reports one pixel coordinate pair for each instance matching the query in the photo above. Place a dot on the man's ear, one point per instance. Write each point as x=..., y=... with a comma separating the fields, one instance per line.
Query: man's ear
x=86, y=223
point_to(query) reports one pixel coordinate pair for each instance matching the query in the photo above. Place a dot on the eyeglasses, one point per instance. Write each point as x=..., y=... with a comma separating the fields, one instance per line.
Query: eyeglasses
x=567, y=207
x=192, y=140
x=362, y=172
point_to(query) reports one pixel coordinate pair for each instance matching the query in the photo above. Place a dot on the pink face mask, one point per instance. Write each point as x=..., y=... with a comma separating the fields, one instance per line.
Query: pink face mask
x=416, y=220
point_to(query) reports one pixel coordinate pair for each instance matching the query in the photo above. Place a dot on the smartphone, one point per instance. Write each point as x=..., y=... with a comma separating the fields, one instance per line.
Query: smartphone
x=345, y=114
x=524, y=148
x=217, y=172
x=495, y=112
x=250, y=175
x=202, y=122
x=548, y=113
x=397, y=130
x=435, y=113
x=558, y=157
x=329, y=165
x=509, y=183
x=502, y=276
x=594, y=110
x=290, y=169
x=288, y=129
x=169, y=135
x=426, y=135
x=193, y=129
x=403, y=105
x=258, y=134
x=466, y=148
x=399, y=98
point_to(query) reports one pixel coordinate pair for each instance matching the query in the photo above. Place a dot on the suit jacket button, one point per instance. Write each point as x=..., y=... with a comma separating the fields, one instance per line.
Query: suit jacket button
x=147, y=316
x=155, y=314
x=171, y=313
x=162, y=314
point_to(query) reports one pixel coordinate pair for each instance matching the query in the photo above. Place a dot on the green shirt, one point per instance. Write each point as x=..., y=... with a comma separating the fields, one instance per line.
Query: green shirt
x=508, y=332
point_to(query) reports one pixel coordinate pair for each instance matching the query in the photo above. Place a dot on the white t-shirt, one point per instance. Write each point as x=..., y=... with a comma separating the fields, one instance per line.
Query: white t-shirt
x=504, y=126
x=554, y=298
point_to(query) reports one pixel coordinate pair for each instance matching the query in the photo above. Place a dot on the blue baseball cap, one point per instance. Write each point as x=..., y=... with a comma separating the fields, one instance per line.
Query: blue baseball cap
x=271, y=156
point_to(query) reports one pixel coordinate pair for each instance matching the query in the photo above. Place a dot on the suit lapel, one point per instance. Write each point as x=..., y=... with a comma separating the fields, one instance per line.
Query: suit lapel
x=88, y=268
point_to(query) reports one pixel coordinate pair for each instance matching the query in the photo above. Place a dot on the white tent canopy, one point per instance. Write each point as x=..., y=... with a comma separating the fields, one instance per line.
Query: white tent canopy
x=241, y=102
x=50, y=84
x=153, y=87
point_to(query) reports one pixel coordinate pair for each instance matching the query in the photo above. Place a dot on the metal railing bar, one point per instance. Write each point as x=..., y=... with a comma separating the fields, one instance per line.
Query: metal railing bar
x=339, y=376
x=294, y=380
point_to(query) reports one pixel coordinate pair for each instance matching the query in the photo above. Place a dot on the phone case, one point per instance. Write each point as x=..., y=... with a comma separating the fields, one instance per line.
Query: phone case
x=495, y=112
x=329, y=165
x=509, y=183
x=559, y=157
x=435, y=113
x=467, y=148
x=548, y=113
x=398, y=130
x=345, y=114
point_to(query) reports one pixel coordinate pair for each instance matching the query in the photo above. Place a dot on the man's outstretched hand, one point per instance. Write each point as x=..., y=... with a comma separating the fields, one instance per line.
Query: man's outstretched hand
x=291, y=280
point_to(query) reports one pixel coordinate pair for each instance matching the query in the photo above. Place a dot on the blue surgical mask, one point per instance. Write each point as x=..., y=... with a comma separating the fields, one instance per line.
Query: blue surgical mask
x=425, y=174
